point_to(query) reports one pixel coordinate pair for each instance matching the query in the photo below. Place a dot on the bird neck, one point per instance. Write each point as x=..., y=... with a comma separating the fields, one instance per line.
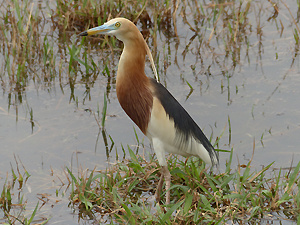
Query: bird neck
x=132, y=61
x=132, y=84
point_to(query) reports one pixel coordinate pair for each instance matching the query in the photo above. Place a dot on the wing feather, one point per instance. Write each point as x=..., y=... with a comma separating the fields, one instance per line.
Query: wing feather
x=185, y=126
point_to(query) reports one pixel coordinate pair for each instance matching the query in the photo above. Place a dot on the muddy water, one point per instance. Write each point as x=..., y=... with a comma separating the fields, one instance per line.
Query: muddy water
x=260, y=96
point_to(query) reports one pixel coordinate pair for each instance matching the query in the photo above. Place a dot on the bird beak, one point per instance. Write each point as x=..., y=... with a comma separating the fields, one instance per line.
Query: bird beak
x=103, y=29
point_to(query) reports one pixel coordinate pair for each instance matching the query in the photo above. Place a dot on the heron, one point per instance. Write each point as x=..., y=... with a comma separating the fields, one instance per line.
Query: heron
x=151, y=106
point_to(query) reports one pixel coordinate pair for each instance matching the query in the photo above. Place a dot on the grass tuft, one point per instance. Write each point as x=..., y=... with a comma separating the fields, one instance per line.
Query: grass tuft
x=124, y=193
x=12, y=202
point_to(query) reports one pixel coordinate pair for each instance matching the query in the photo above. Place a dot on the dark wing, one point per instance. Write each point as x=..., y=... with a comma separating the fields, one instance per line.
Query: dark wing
x=184, y=124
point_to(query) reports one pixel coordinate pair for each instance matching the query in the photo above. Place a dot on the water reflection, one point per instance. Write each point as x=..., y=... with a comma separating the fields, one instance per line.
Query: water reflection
x=232, y=65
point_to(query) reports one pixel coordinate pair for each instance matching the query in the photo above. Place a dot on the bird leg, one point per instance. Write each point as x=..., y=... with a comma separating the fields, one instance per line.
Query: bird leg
x=159, y=187
x=167, y=176
x=165, y=173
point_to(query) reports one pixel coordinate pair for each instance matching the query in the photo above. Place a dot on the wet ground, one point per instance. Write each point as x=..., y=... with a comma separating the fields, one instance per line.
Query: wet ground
x=259, y=95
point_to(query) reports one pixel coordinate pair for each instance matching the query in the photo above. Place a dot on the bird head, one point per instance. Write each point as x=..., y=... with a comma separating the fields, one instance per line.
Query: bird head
x=119, y=27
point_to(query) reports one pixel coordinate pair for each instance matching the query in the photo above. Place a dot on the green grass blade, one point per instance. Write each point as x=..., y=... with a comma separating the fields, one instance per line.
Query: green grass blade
x=104, y=110
x=168, y=214
x=33, y=213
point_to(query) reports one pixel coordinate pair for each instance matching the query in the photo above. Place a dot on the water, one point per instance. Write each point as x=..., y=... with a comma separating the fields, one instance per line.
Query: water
x=260, y=97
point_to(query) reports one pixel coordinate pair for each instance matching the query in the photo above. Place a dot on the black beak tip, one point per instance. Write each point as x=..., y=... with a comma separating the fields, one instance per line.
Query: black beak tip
x=84, y=33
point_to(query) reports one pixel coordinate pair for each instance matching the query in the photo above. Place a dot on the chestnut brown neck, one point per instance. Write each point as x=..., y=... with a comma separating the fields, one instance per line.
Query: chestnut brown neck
x=132, y=88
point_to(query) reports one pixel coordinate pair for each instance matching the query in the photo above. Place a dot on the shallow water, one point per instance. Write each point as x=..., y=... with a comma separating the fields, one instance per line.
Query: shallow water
x=261, y=98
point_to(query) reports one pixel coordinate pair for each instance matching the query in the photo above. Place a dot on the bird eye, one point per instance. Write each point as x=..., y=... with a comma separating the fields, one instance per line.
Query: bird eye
x=117, y=24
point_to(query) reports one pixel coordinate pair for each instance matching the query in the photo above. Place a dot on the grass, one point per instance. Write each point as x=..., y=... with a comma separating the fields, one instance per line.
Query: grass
x=12, y=202
x=40, y=45
x=123, y=194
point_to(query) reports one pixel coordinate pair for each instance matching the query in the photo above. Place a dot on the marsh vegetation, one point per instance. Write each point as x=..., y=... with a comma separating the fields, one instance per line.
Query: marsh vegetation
x=68, y=152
